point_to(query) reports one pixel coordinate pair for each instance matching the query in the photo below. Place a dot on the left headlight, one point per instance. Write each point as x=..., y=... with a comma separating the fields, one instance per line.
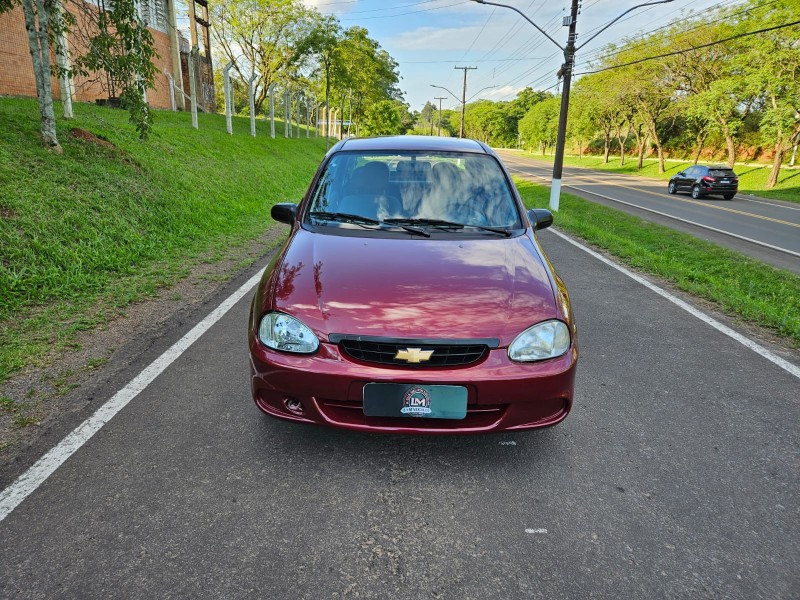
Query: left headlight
x=282, y=332
x=540, y=342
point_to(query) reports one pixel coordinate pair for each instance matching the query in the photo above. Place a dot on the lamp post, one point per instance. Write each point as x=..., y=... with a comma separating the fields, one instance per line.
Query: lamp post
x=439, y=121
x=565, y=72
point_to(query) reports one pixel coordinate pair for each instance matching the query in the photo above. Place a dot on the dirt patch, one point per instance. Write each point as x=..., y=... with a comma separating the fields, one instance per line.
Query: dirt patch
x=39, y=401
x=88, y=136
x=7, y=213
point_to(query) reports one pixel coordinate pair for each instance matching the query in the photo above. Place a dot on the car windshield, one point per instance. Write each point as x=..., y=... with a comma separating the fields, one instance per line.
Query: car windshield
x=431, y=190
x=721, y=173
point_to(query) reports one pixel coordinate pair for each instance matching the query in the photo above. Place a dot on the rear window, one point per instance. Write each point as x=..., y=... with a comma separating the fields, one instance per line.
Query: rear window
x=722, y=173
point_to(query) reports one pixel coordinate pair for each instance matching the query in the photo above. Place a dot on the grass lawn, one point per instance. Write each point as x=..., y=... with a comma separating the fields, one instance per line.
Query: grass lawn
x=87, y=232
x=740, y=286
x=752, y=178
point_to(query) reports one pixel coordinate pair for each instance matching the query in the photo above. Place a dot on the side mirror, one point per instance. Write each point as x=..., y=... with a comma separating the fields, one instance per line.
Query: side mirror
x=540, y=218
x=681, y=174
x=285, y=212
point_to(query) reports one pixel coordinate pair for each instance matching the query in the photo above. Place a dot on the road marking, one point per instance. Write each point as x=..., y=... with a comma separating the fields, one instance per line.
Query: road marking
x=695, y=223
x=594, y=179
x=541, y=530
x=757, y=348
x=682, y=220
x=746, y=199
x=31, y=479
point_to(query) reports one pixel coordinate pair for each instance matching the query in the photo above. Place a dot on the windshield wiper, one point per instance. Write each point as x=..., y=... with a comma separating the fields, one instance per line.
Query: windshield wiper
x=447, y=225
x=344, y=218
x=428, y=222
x=363, y=221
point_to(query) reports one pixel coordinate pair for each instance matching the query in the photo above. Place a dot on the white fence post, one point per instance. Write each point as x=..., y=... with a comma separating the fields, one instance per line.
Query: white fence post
x=226, y=91
x=192, y=85
x=270, y=90
x=251, y=92
x=286, y=113
x=172, y=102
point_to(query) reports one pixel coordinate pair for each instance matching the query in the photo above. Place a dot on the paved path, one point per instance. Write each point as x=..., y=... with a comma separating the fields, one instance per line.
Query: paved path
x=676, y=476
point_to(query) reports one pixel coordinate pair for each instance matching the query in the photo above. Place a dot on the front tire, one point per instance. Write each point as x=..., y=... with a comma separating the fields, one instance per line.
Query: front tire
x=728, y=196
x=672, y=188
x=696, y=193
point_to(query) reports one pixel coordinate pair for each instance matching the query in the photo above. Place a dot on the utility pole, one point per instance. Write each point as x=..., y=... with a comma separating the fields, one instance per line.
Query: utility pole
x=464, y=94
x=566, y=73
x=439, y=123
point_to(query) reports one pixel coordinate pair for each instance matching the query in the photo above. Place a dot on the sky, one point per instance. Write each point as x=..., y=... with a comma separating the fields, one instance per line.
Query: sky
x=428, y=38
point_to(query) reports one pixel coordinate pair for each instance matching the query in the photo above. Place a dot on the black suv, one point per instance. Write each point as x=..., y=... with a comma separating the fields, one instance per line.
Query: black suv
x=702, y=181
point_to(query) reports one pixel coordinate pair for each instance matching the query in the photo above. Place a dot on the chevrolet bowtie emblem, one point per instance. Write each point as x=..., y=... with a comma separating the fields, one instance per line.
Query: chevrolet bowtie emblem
x=413, y=355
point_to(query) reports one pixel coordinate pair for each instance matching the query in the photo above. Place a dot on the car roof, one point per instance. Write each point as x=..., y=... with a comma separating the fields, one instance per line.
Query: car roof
x=411, y=142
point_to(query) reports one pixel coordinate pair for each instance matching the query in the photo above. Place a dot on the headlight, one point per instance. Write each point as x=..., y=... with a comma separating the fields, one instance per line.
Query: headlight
x=544, y=340
x=285, y=333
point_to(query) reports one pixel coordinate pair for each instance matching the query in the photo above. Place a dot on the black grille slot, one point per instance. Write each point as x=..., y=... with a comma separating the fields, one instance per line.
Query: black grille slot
x=445, y=353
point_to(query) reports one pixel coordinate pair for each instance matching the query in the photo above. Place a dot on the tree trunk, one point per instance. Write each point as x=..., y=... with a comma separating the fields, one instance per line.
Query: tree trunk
x=729, y=142
x=640, y=161
x=661, y=166
x=701, y=140
x=39, y=44
x=606, y=150
x=780, y=150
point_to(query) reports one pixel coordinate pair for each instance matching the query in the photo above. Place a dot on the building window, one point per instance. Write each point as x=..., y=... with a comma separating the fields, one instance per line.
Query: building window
x=154, y=14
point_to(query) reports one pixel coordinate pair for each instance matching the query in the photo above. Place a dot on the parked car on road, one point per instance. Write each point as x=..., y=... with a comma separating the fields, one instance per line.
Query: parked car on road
x=705, y=181
x=412, y=296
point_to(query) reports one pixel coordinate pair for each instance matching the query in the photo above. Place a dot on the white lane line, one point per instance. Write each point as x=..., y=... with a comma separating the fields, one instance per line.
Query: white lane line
x=757, y=348
x=540, y=530
x=31, y=479
x=767, y=203
x=669, y=216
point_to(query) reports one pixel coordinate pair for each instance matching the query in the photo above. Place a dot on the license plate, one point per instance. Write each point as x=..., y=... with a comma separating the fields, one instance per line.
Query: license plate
x=725, y=181
x=413, y=400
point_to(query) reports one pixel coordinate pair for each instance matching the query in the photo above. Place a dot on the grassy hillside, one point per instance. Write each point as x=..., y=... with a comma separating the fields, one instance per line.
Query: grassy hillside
x=113, y=219
x=752, y=178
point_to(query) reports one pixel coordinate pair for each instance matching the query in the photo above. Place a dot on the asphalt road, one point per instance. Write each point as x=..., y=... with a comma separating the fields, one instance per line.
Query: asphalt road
x=768, y=230
x=675, y=476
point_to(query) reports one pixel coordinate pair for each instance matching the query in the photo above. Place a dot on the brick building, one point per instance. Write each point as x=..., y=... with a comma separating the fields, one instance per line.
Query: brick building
x=172, y=47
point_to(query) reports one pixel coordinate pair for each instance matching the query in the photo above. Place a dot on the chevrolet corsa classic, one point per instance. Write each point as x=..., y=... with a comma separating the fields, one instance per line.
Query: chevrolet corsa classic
x=412, y=296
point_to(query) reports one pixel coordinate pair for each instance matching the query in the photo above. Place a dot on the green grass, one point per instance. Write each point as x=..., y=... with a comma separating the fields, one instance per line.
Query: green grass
x=740, y=286
x=85, y=233
x=752, y=178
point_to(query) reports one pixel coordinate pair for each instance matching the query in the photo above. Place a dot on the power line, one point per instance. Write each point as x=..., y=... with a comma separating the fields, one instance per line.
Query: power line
x=405, y=13
x=595, y=53
x=728, y=39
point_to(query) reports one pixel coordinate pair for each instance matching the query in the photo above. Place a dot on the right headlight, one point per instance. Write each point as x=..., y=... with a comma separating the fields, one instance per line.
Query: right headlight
x=282, y=332
x=548, y=339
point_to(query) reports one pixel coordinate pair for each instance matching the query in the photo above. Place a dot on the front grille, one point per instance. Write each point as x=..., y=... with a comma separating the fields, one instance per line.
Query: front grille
x=445, y=353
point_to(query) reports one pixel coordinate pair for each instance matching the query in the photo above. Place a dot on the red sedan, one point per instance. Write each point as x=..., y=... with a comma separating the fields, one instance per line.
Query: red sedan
x=412, y=296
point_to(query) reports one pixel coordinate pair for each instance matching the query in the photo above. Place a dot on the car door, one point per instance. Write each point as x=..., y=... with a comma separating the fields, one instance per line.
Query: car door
x=686, y=179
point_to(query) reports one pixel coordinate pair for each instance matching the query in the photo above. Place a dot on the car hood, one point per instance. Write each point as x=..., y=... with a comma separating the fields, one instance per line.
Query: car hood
x=412, y=288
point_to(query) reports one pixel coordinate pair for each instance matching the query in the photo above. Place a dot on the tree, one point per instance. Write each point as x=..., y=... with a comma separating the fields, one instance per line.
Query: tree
x=524, y=101
x=322, y=41
x=383, y=118
x=709, y=78
x=120, y=47
x=540, y=125
x=40, y=21
x=489, y=122
x=261, y=37
x=772, y=68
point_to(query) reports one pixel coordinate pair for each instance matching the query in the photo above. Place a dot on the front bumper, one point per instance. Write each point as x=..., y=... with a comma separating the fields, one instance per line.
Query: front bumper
x=327, y=388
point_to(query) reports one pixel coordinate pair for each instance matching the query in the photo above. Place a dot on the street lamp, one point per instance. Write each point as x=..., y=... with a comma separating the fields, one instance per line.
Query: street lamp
x=565, y=72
